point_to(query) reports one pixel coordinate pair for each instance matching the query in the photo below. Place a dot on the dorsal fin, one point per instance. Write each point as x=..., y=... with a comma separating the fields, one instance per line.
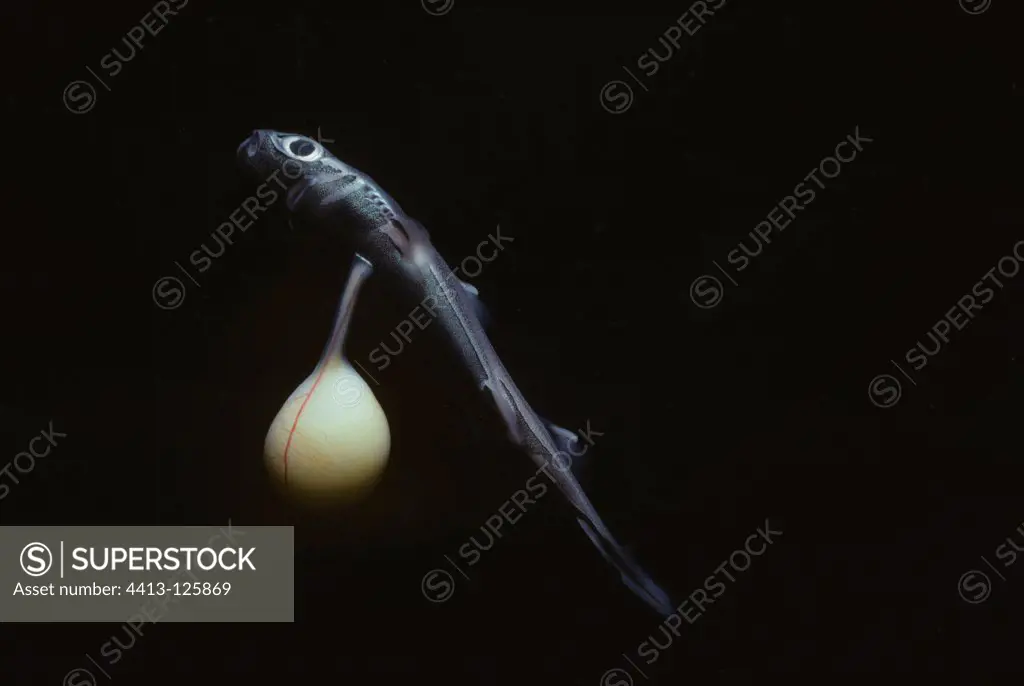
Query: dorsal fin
x=569, y=443
x=479, y=309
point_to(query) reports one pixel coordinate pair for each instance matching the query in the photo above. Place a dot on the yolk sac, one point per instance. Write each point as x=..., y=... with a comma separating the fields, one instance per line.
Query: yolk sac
x=329, y=442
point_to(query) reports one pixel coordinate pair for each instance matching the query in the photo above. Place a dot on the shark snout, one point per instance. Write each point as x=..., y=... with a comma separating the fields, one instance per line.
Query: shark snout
x=247, y=150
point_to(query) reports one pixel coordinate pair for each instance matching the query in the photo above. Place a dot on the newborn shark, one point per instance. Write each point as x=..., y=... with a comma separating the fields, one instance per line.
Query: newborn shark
x=325, y=190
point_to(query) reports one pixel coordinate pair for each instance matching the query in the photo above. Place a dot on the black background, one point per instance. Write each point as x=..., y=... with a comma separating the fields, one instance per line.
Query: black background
x=713, y=420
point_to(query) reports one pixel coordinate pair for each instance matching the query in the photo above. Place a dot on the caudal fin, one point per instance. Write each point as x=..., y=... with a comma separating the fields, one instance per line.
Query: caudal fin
x=632, y=575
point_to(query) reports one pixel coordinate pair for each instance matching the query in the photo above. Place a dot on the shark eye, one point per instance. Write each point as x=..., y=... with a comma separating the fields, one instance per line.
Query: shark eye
x=302, y=148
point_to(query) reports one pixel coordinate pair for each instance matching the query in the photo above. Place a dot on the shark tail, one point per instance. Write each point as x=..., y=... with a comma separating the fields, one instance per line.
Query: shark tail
x=632, y=575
